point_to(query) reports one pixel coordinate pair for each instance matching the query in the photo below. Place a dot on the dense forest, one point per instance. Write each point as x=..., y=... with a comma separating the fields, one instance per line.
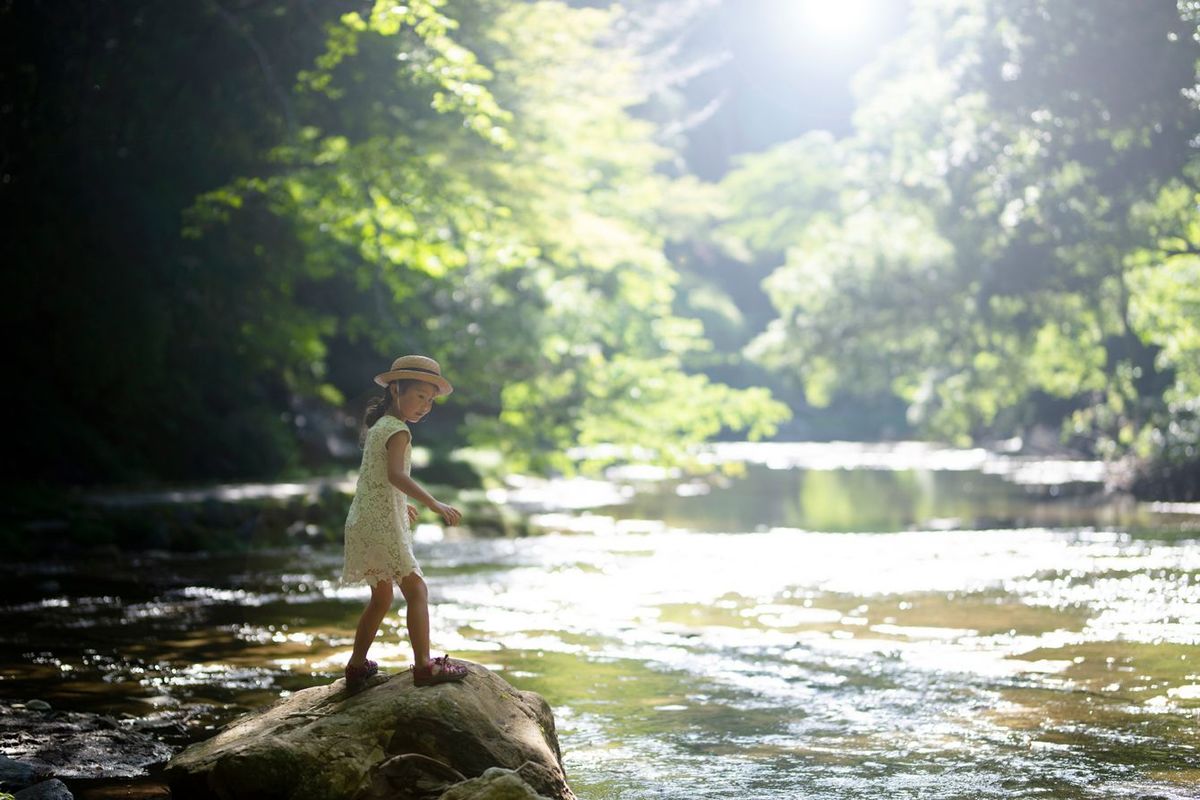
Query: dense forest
x=224, y=216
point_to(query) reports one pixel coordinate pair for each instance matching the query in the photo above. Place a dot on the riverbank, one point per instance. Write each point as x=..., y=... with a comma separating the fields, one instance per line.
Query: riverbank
x=214, y=518
x=235, y=517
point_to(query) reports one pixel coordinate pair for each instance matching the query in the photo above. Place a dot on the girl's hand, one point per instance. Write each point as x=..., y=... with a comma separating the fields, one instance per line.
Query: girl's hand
x=449, y=514
x=413, y=513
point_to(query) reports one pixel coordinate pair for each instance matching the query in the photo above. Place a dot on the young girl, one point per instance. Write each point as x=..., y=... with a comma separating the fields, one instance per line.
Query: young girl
x=379, y=525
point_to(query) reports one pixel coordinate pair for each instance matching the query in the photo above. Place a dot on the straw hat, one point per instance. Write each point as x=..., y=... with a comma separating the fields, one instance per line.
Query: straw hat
x=417, y=368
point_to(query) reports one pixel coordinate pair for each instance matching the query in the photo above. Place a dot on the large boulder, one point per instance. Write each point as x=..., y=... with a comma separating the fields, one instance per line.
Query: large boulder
x=331, y=743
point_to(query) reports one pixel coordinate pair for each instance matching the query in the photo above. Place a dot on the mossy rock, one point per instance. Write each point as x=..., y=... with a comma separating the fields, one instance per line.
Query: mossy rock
x=328, y=743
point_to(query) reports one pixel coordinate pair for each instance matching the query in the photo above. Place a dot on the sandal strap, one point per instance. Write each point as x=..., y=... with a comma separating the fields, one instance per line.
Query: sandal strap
x=360, y=672
x=443, y=666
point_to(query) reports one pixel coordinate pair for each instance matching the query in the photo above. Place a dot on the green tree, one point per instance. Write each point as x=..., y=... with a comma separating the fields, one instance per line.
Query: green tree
x=516, y=228
x=233, y=213
x=1008, y=230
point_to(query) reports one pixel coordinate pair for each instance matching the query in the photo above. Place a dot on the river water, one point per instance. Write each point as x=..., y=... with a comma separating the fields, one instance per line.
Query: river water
x=838, y=621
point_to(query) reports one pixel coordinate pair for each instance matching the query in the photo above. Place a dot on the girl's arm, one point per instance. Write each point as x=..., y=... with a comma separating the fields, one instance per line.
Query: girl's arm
x=396, y=445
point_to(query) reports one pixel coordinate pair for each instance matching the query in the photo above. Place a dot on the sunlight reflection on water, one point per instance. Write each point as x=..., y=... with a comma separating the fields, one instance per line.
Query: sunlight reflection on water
x=813, y=628
x=1039, y=470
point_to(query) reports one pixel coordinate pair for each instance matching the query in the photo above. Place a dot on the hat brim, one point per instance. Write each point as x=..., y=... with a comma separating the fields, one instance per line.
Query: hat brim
x=443, y=385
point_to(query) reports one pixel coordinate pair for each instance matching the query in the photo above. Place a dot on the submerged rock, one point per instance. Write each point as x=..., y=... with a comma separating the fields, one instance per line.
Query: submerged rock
x=329, y=743
x=75, y=745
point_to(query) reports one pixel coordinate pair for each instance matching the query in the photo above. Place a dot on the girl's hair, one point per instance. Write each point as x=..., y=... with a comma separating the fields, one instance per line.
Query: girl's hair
x=380, y=405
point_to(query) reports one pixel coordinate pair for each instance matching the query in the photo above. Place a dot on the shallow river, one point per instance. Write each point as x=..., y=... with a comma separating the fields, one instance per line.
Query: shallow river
x=841, y=621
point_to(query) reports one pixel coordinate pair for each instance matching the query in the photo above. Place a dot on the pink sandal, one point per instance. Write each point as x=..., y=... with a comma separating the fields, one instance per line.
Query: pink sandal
x=355, y=676
x=438, y=670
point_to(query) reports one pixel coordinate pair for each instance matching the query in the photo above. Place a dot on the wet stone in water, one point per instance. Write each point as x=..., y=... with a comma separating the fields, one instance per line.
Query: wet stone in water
x=52, y=789
x=16, y=775
x=78, y=746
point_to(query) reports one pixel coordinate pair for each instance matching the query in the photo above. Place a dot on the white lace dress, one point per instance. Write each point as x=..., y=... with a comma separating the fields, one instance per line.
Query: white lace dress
x=378, y=537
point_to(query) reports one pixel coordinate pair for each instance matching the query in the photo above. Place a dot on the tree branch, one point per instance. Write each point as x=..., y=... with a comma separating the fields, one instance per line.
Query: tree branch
x=1190, y=250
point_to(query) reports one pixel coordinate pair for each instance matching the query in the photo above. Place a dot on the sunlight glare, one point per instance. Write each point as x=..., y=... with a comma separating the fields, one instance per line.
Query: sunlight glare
x=833, y=21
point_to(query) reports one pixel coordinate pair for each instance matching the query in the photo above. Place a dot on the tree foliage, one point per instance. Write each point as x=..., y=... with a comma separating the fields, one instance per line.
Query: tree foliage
x=1010, y=233
x=303, y=192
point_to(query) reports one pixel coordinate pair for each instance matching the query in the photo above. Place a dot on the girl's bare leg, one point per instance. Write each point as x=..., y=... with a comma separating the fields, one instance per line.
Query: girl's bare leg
x=368, y=623
x=416, y=594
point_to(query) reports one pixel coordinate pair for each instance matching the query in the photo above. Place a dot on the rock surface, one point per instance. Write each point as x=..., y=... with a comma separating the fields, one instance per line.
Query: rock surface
x=16, y=775
x=74, y=745
x=329, y=743
x=410, y=776
x=53, y=789
x=493, y=784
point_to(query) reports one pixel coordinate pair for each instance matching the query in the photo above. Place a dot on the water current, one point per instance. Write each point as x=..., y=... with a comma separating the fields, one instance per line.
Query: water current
x=839, y=621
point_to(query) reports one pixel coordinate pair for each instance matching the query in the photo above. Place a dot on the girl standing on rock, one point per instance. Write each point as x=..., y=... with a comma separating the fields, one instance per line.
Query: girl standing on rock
x=379, y=525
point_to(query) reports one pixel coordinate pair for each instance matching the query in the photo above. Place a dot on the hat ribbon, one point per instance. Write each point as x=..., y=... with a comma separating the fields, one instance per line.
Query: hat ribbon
x=416, y=369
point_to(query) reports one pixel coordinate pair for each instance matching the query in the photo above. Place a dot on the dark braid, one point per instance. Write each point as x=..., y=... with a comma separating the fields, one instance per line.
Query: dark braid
x=381, y=404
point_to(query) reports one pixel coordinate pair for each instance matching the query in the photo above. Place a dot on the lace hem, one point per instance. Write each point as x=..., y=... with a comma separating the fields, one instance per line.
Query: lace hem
x=374, y=576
